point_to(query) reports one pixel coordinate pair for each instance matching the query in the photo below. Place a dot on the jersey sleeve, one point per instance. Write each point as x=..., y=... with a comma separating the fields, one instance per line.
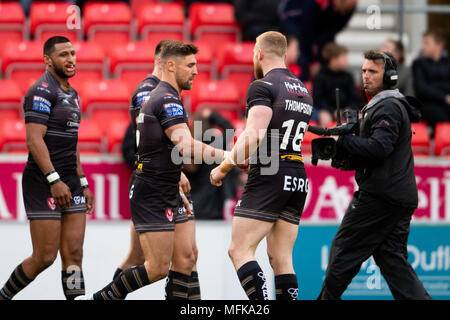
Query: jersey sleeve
x=171, y=112
x=38, y=104
x=259, y=93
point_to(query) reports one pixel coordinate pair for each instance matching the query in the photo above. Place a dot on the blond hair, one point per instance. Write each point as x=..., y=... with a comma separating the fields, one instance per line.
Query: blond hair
x=272, y=42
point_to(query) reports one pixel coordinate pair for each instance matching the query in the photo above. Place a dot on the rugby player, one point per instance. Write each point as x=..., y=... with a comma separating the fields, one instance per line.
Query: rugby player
x=278, y=111
x=162, y=136
x=184, y=253
x=55, y=191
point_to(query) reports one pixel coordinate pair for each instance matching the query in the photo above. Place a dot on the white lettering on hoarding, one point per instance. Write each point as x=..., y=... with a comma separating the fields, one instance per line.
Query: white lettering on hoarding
x=434, y=260
x=332, y=196
x=20, y=211
x=100, y=196
x=4, y=211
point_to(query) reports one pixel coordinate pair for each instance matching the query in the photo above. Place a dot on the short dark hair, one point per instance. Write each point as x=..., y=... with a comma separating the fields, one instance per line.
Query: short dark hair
x=332, y=50
x=436, y=35
x=49, y=45
x=380, y=55
x=159, y=46
x=400, y=48
x=177, y=48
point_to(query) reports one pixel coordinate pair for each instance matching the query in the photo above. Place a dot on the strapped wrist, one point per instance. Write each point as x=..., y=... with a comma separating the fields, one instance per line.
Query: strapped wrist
x=84, y=183
x=52, y=177
x=226, y=155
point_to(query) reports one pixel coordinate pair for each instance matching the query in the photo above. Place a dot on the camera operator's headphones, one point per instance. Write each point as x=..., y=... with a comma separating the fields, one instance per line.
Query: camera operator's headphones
x=390, y=76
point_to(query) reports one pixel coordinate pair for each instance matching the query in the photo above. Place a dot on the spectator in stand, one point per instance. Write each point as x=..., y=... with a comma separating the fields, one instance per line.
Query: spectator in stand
x=405, y=80
x=256, y=17
x=333, y=74
x=314, y=23
x=208, y=199
x=292, y=54
x=431, y=73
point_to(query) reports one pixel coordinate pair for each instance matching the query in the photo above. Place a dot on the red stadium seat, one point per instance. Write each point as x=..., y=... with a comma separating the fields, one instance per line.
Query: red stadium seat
x=420, y=140
x=235, y=63
x=133, y=77
x=23, y=62
x=90, y=137
x=221, y=96
x=13, y=136
x=213, y=23
x=10, y=99
x=135, y=56
x=12, y=21
x=10, y=94
x=442, y=139
x=22, y=55
x=54, y=18
x=205, y=64
x=136, y=5
x=107, y=23
x=106, y=94
x=113, y=115
x=114, y=132
x=158, y=21
x=90, y=63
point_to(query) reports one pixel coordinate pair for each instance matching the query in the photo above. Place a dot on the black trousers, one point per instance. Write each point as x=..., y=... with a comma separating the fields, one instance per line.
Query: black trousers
x=373, y=227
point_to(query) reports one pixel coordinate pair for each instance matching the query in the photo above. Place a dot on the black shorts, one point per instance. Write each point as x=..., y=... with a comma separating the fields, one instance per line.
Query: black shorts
x=273, y=197
x=39, y=203
x=155, y=207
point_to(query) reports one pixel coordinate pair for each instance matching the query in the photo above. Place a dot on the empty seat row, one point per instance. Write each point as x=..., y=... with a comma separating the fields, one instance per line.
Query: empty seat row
x=116, y=95
x=92, y=136
x=23, y=62
x=108, y=22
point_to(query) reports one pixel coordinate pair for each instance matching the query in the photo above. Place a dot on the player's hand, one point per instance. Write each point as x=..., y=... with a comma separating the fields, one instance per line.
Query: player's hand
x=217, y=176
x=61, y=194
x=187, y=204
x=90, y=201
x=185, y=186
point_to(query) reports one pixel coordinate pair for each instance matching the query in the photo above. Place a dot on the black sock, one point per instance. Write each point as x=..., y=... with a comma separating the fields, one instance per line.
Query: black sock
x=194, y=287
x=16, y=282
x=73, y=284
x=177, y=285
x=286, y=287
x=130, y=280
x=253, y=281
x=117, y=273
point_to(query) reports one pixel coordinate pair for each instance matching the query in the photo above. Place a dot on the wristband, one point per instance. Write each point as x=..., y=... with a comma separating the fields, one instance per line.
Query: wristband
x=52, y=177
x=84, y=183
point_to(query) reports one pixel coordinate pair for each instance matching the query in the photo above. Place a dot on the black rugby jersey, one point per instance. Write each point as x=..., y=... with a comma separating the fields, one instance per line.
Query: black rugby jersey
x=141, y=95
x=163, y=110
x=292, y=106
x=48, y=104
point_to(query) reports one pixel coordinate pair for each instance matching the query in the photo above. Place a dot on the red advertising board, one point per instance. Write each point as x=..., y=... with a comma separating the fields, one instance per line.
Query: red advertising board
x=330, y=190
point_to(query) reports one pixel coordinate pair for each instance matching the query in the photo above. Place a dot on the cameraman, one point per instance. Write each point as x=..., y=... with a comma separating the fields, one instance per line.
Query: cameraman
x=378, y=217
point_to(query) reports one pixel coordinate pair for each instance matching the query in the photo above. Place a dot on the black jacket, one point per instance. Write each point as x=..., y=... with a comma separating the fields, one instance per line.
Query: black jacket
x=256, y=17
x=385, y=163
x=431, y=80
x=324, y=89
